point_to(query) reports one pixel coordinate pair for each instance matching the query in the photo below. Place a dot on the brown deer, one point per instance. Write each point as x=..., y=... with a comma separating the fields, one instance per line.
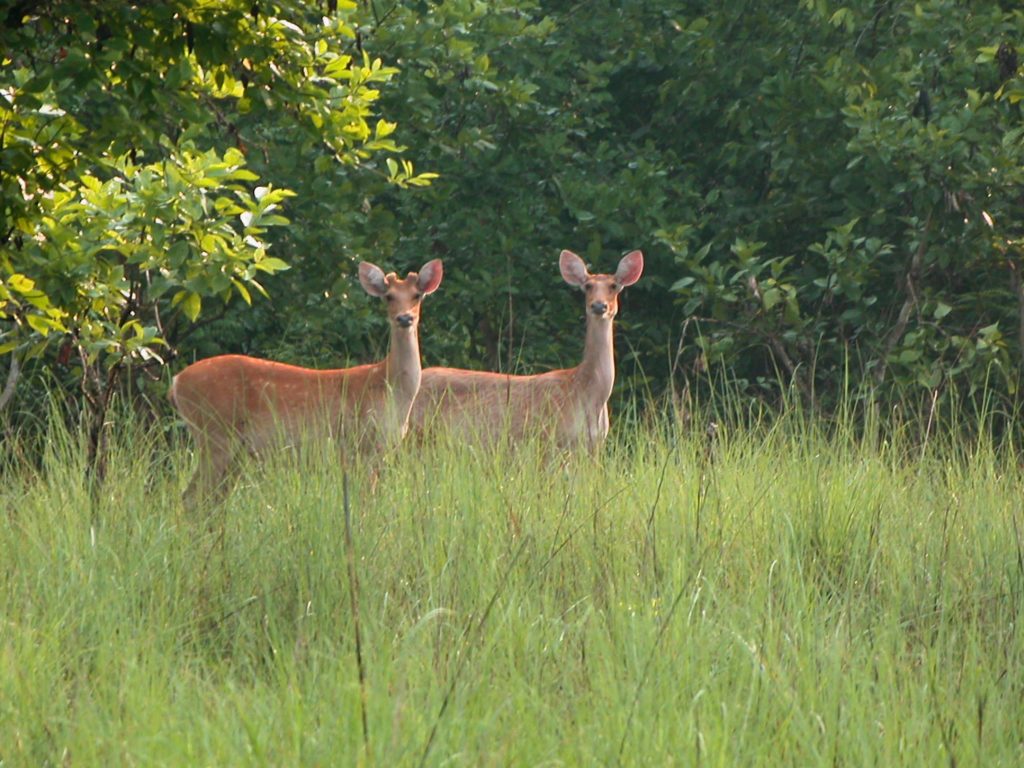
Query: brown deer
x=234, y=403
x=570, y=405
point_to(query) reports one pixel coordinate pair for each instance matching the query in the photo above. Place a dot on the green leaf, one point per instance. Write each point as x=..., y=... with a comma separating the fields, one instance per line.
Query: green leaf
x=271, y=264
x=211, y=243
x=177, y=254
x=909, y=356
x=36, y=84
x=43, y=325
x=192, y=305
x=242, y=291
x=770, y=297
x=990, y=332
x=20, y=283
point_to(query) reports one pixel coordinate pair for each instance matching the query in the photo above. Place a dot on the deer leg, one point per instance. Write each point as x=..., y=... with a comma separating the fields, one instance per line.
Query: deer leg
x=215, y=471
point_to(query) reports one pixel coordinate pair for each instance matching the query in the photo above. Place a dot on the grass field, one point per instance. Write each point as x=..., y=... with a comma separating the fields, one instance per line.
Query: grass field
x=790, y=596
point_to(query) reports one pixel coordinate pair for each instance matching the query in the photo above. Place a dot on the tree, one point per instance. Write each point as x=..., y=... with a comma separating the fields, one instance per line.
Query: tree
x=875, y=231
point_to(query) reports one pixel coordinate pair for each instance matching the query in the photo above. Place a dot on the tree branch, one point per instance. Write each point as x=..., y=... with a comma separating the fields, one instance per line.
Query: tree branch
x=776, y=345
x=12, y=381
x=903, y=319
x=1018, y=291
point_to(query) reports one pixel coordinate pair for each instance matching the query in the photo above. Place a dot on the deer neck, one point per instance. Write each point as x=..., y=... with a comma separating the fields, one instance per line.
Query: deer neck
x=402, y=366
x=596, y=374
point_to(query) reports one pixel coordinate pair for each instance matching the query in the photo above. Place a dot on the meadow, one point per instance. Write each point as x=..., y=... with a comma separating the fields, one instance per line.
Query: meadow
x=790, y=592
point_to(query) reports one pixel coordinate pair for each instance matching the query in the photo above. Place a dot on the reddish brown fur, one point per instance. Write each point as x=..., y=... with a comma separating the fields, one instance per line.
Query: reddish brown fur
x=234, y=402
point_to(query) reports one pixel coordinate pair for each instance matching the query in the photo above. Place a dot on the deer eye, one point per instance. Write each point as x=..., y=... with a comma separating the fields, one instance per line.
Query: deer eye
x=388, y=297
x=588, y=287
x=417, y=296
x=615, y=286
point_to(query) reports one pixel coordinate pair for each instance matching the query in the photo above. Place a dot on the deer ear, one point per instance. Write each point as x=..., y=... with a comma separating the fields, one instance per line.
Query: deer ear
x=371, y=277
x=630, y=268
x=430, y=276
x=573, y=270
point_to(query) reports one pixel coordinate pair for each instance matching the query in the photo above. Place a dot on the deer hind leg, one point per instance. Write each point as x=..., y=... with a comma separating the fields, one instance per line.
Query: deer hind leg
x=216, y=468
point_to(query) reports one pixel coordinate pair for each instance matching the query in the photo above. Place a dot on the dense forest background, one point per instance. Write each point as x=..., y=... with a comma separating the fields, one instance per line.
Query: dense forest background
x=829, y=196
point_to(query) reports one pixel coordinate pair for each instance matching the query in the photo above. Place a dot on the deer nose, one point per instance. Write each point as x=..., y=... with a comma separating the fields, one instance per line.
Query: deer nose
x=404, y=320
x=599, y=307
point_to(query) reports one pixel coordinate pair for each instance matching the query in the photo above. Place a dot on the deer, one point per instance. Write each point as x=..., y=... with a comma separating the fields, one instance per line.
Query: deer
x=235, y=403
x=569, y=405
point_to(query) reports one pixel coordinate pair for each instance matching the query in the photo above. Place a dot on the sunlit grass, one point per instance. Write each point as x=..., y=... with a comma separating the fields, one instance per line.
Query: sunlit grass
x=782, y=594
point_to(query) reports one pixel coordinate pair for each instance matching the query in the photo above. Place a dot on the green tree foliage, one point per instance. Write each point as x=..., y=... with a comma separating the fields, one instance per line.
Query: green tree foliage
x=859, y=194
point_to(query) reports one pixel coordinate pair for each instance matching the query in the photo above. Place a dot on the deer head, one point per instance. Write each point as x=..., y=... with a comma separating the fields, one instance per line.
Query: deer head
x=602, y=291
x=403, y=297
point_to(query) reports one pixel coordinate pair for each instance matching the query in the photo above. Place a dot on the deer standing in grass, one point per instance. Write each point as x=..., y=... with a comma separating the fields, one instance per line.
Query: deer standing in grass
x=234, y=403
x=570, y=405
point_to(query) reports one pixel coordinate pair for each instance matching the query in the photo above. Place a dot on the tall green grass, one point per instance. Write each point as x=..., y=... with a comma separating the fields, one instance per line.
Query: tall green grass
x=788, y=593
